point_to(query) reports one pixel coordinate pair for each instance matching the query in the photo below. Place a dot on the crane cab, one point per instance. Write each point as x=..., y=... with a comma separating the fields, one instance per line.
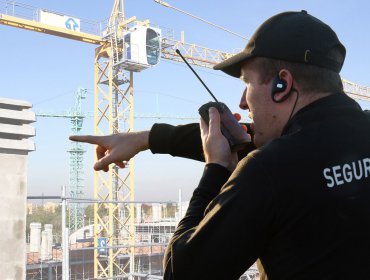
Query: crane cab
x=141, y=48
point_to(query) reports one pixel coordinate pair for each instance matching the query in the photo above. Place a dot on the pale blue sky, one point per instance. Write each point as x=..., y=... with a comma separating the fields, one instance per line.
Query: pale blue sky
x=47, y=70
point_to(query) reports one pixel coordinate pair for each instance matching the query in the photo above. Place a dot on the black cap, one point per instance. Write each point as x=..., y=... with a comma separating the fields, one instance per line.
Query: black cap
x=290, y=36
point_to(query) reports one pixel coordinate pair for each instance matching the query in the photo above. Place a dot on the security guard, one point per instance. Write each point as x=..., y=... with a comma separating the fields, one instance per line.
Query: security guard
x=300, y=202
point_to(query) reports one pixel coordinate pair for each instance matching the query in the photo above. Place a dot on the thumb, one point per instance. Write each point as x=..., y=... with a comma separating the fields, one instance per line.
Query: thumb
x=203, y=128
x=103, y=163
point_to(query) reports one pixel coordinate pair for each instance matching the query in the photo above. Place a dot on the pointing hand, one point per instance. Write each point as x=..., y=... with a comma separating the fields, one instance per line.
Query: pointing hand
x=115, y=148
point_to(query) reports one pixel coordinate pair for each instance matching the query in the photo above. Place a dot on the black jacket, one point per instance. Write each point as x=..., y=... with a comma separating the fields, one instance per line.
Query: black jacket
x=300, y=203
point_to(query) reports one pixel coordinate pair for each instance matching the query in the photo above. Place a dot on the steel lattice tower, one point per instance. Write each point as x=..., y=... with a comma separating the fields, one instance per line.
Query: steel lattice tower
x=76, y=151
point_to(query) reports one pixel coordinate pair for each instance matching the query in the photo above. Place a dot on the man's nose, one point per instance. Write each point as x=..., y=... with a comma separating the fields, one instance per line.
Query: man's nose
x=243, y=101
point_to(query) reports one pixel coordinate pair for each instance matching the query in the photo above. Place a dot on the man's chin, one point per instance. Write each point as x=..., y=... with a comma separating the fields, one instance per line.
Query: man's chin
x=257, y=141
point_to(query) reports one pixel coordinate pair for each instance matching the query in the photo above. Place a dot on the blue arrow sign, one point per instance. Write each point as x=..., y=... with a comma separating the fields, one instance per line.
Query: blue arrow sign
x=72, y=24
x=102, y=245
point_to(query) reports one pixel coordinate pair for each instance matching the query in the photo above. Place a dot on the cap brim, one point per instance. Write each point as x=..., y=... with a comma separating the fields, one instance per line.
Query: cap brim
x=232, y=66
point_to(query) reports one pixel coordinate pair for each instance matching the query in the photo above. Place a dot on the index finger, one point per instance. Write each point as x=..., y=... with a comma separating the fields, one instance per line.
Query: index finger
x=91, y=139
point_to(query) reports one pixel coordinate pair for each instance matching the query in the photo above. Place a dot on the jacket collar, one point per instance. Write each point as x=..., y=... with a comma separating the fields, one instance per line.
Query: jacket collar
x=334, y=105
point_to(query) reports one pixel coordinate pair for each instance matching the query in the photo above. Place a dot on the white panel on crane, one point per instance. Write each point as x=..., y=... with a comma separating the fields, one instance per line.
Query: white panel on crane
x=59, y=20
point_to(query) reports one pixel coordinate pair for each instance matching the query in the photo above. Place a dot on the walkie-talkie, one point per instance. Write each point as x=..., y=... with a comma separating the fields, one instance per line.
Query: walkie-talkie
x=230, y=127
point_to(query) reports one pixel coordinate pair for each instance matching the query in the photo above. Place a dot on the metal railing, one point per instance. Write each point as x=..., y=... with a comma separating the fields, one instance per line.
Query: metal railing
x=28, y=12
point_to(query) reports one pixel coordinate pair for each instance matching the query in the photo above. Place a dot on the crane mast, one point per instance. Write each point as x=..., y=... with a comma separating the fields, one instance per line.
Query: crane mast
x=76, y=151
x=114, y=113
x=76, y=185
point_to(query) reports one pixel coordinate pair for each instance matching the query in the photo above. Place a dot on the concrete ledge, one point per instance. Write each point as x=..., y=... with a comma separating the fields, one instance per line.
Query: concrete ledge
x=12, y=144
x=14, y=102
x=14, y=126
x=24, y=130
x=15, y=116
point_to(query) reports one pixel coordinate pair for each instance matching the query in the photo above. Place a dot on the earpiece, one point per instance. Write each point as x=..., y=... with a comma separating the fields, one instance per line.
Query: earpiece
x=278, y=85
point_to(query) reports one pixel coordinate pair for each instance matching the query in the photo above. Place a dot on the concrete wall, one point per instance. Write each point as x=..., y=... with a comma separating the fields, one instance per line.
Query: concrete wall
x=15, y=131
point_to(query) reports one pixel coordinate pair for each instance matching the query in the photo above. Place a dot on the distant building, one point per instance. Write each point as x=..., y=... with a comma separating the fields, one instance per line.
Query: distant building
x=48, y=206
x=51, y=206
x=29, y=208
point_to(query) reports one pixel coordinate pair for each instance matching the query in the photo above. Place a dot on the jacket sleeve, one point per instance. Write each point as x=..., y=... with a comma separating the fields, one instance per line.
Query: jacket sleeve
x=215, y=239
x=181, y=141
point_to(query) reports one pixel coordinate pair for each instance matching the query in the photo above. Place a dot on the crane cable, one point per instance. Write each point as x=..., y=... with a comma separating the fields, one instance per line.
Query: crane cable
x=165, y=4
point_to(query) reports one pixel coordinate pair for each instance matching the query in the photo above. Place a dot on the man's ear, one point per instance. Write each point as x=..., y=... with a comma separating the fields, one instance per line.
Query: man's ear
x=281, y=86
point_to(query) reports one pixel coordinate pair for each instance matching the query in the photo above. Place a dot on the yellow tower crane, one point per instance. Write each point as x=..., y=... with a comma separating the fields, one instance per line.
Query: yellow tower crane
x=117, y=57
x=119, y=54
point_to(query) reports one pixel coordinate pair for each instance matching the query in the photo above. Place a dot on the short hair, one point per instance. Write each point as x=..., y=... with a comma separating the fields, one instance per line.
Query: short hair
x=312, y=79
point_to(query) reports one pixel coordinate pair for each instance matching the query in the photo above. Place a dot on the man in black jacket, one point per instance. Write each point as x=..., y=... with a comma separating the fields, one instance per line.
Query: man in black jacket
x=300, y=202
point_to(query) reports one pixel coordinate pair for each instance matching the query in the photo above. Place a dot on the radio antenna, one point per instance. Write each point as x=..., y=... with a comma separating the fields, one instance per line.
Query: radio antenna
x=195, y=73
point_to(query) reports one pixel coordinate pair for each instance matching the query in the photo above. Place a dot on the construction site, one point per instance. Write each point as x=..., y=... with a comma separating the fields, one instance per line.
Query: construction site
x=109, y=234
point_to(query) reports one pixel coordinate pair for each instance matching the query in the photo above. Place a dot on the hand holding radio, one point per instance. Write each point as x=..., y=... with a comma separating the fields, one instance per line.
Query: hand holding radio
x=216, y=148
x=237, y=137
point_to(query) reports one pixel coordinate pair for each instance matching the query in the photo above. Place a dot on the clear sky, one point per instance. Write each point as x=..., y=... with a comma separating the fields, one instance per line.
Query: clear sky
x=47, y=70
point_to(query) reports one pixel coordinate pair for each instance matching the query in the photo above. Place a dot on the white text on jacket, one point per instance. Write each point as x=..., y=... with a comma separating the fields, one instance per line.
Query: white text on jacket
x=341, y=174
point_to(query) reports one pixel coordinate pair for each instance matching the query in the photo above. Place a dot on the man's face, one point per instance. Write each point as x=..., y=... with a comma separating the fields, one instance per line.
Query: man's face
x=267, y=116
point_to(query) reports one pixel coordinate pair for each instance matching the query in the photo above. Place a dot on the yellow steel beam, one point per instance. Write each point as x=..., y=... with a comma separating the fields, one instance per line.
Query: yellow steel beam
x=126, y=22
x=197, y=55
x=48, y=29
x=356, y=91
